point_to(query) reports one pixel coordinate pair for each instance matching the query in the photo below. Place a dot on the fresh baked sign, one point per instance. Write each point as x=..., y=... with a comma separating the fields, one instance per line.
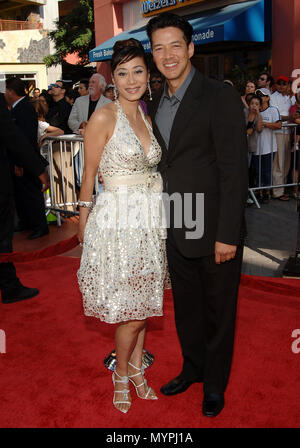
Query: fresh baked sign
x=151, y=7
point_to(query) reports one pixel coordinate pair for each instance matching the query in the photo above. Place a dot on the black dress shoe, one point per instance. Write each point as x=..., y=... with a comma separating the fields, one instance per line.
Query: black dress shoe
x=18, y=293
x=176, y=386
x=21, y=227
x=38, y=233
x=212, y=404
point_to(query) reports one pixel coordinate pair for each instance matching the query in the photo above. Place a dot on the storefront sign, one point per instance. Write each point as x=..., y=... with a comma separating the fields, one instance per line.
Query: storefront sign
x=151, y=7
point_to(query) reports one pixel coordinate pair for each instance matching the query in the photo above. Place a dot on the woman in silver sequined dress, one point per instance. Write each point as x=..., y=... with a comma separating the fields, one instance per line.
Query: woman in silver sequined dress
x=123, y=263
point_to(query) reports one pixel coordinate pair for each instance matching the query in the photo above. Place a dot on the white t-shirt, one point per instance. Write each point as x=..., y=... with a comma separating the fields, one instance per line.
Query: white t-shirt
x=283, y=104
x=42, y=126
x=267, y=136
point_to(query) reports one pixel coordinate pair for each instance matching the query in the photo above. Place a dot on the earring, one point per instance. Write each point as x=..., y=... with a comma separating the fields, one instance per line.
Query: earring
x=149, y=90
x=115, y=93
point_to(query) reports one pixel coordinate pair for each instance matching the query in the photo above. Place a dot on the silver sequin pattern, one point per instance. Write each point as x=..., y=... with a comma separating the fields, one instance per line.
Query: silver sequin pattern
x=123, y=270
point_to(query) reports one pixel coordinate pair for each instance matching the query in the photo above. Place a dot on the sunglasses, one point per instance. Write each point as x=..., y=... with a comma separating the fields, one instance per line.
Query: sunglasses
x=262, y=79
x=158, y=81
x=56, y=85
x=282, y=83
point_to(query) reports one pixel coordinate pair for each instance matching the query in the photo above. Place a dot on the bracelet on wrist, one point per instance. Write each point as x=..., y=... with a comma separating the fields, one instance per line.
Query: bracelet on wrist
x=85, y=204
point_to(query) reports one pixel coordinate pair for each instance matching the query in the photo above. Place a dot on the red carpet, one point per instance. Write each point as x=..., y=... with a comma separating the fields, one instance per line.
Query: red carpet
x=52, y=374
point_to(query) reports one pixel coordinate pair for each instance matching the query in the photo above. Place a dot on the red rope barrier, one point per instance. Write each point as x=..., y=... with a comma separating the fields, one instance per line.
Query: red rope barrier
x=50, y=251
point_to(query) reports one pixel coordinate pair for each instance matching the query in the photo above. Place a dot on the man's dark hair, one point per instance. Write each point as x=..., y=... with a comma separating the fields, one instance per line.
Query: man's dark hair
x=36, y=89
x=269, y=78
x=64, y=85
x=72, y=94
x=17, y=85
x=167, y=19
x=85, y=82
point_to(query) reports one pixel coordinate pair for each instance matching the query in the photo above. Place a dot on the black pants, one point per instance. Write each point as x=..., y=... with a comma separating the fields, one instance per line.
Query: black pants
x=8, y=276
x=205, y=300
x=30, y=202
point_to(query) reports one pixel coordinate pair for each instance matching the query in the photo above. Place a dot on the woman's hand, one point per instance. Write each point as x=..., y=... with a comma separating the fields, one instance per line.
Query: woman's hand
x=254, y=109
x=81, y=226
x=41, y=141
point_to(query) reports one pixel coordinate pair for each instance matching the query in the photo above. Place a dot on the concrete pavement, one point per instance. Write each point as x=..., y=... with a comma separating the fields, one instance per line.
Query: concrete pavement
x=271, y=240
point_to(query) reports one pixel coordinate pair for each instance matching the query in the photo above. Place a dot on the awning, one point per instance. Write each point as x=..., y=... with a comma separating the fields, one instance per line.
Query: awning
x=244, y=22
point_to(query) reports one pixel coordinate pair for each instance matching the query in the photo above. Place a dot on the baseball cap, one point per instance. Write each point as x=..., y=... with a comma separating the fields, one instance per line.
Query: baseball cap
x=264, y=91
x=282, y=78
x=109, y=86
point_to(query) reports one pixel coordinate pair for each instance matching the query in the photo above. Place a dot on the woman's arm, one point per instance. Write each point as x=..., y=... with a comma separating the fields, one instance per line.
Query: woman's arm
x=53, y=130
x=97, y=133
x=259, y=124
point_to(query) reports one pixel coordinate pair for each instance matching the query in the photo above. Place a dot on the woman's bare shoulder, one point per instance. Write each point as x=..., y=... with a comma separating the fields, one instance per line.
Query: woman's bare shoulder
x=106, y=114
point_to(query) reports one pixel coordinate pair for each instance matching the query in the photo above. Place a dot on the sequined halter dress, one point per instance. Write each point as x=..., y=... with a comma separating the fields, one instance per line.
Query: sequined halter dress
x=123, y=264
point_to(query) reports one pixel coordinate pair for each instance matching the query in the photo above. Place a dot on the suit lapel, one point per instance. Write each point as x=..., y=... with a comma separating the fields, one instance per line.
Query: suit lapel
x=152, y=109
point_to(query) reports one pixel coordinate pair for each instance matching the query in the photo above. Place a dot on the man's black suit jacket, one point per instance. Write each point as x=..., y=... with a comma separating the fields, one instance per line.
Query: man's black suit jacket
x=25, y=117
x=16, y=147
x=207, y=154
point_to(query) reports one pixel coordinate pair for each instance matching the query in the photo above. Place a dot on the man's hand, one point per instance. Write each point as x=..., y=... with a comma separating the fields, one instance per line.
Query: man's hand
x=44, y=178
x=224, y=252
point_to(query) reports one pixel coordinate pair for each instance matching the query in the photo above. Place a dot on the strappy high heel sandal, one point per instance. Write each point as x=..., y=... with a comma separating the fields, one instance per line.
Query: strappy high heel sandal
x=125, y=392
x=148, y=389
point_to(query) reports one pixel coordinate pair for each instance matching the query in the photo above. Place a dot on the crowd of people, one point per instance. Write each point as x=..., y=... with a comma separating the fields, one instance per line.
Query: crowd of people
x=273, y=151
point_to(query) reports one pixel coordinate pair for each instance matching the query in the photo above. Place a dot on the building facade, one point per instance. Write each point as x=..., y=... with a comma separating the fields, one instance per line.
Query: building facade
x=24, y=41
x=233, y=39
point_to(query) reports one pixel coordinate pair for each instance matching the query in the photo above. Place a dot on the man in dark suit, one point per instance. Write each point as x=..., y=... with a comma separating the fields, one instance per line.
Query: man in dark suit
x=29, y=199
x=199, y=124
x=13, y=147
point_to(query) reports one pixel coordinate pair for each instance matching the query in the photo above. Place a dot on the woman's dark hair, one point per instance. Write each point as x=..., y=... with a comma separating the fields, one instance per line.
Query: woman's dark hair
x=167, y=19
x=39, y=108
x=47, y=97
x=249, y=97
x=255, y=97
x=125, y=51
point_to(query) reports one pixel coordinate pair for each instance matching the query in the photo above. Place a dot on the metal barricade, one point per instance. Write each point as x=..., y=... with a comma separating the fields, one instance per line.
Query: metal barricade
x=289, y=131
x=65, y=155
